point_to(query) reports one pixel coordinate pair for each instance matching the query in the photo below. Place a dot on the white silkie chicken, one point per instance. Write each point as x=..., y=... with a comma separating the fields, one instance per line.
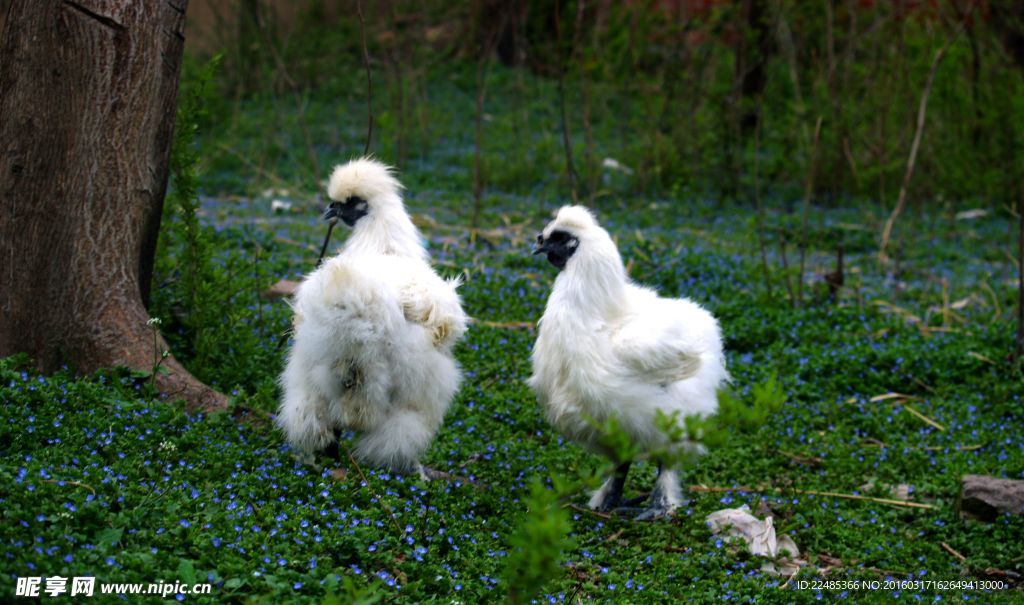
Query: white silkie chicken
x=373, y=330
x=608, y=347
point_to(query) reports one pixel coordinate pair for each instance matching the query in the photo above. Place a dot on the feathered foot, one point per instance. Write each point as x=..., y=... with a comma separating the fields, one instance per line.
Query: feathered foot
x=609, y=496
x=666, y=497
x=333, y=451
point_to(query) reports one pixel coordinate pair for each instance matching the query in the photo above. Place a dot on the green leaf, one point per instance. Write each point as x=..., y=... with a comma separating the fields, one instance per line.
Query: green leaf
x=109, y=537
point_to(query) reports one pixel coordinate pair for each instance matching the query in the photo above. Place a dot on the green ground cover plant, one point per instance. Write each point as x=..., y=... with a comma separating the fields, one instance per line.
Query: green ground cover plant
x=101, y=477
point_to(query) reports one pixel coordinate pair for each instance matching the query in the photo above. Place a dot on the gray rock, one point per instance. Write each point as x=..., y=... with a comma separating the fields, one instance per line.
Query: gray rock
x=984, y=498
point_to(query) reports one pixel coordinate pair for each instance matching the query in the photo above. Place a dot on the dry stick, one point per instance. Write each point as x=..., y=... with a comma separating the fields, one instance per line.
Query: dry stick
x=369, y=128
x=953, y=552
x=295, y=92
x=1020, y=284
x=481, y=92
x=327, y=239
x=577, y=54
x=783, y=587
x=757, y=197
x=807, y=213
x=628, y=84
x=587, y=510
x=566, y=135
x=369, y=80
x=259, y=169
x=921, y=112
x=785, y=269
x=701, y=488
x=399, y=76
x=71, y=483
x=373, y=493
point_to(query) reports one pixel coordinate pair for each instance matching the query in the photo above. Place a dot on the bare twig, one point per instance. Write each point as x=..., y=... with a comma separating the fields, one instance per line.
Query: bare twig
x=373, y=493
x=482, y=69
x=757, y=197
x=785, y=269
x=924, y=418
x=807, y=213
x=1020, y=284
x=953, y=552
x=587, y=510
x=471, y=460
x=71, y=483
x=295, y=91
x=783, y=587
x=259, y=169
x=369, y=80
x=566, y=135
x=369, y=129
x=702, y=488
x=921, y=112
x=327, y=238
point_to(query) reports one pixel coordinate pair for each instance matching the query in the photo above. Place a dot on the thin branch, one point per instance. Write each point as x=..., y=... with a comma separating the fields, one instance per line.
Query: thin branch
x=369, y=80
x=373, y=493
x=921, y=112
x=1020, y=284
x=327, y=239
x=807, y=212
x=566, y=135
x=482, y=71
x=71, y=483
x=703, y=488
x=295, y=92
x=785, y=269
x=369, y=134
x=950, y=550
x=757, y=197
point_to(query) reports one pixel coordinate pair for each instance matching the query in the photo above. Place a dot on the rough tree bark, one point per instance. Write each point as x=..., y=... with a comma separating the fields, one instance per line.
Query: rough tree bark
x=88, y=93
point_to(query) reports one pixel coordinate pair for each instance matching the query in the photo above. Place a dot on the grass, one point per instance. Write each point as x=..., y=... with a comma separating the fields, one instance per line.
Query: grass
x=99, y=477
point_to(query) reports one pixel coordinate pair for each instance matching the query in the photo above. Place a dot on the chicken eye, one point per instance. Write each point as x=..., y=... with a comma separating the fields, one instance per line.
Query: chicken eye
x=540, y=239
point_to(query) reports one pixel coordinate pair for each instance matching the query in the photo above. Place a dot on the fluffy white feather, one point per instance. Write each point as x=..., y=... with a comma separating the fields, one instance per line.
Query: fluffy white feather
x=609, y=347
x=374, y=327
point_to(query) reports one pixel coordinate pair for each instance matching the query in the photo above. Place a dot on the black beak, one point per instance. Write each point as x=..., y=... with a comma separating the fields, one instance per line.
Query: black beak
x=349, y=211
x=333, y=210
x=541, y=246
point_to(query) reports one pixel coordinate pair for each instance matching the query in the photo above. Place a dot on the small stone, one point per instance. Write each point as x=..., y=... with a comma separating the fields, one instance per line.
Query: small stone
x=282, y=289
x=984, y=498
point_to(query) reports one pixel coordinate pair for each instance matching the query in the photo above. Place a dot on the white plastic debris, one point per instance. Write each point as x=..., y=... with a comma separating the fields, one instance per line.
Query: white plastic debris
x=613, y=164
x=967, y=215
x=739, y=524
x=277, y=206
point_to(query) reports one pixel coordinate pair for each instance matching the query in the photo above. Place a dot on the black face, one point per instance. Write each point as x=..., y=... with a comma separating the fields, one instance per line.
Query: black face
x=350, y=211
x=560, y=246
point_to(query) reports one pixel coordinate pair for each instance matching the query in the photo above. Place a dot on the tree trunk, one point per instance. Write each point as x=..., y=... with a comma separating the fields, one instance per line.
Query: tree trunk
x=1007, y=20
x=88, y=92
x=751, y=59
